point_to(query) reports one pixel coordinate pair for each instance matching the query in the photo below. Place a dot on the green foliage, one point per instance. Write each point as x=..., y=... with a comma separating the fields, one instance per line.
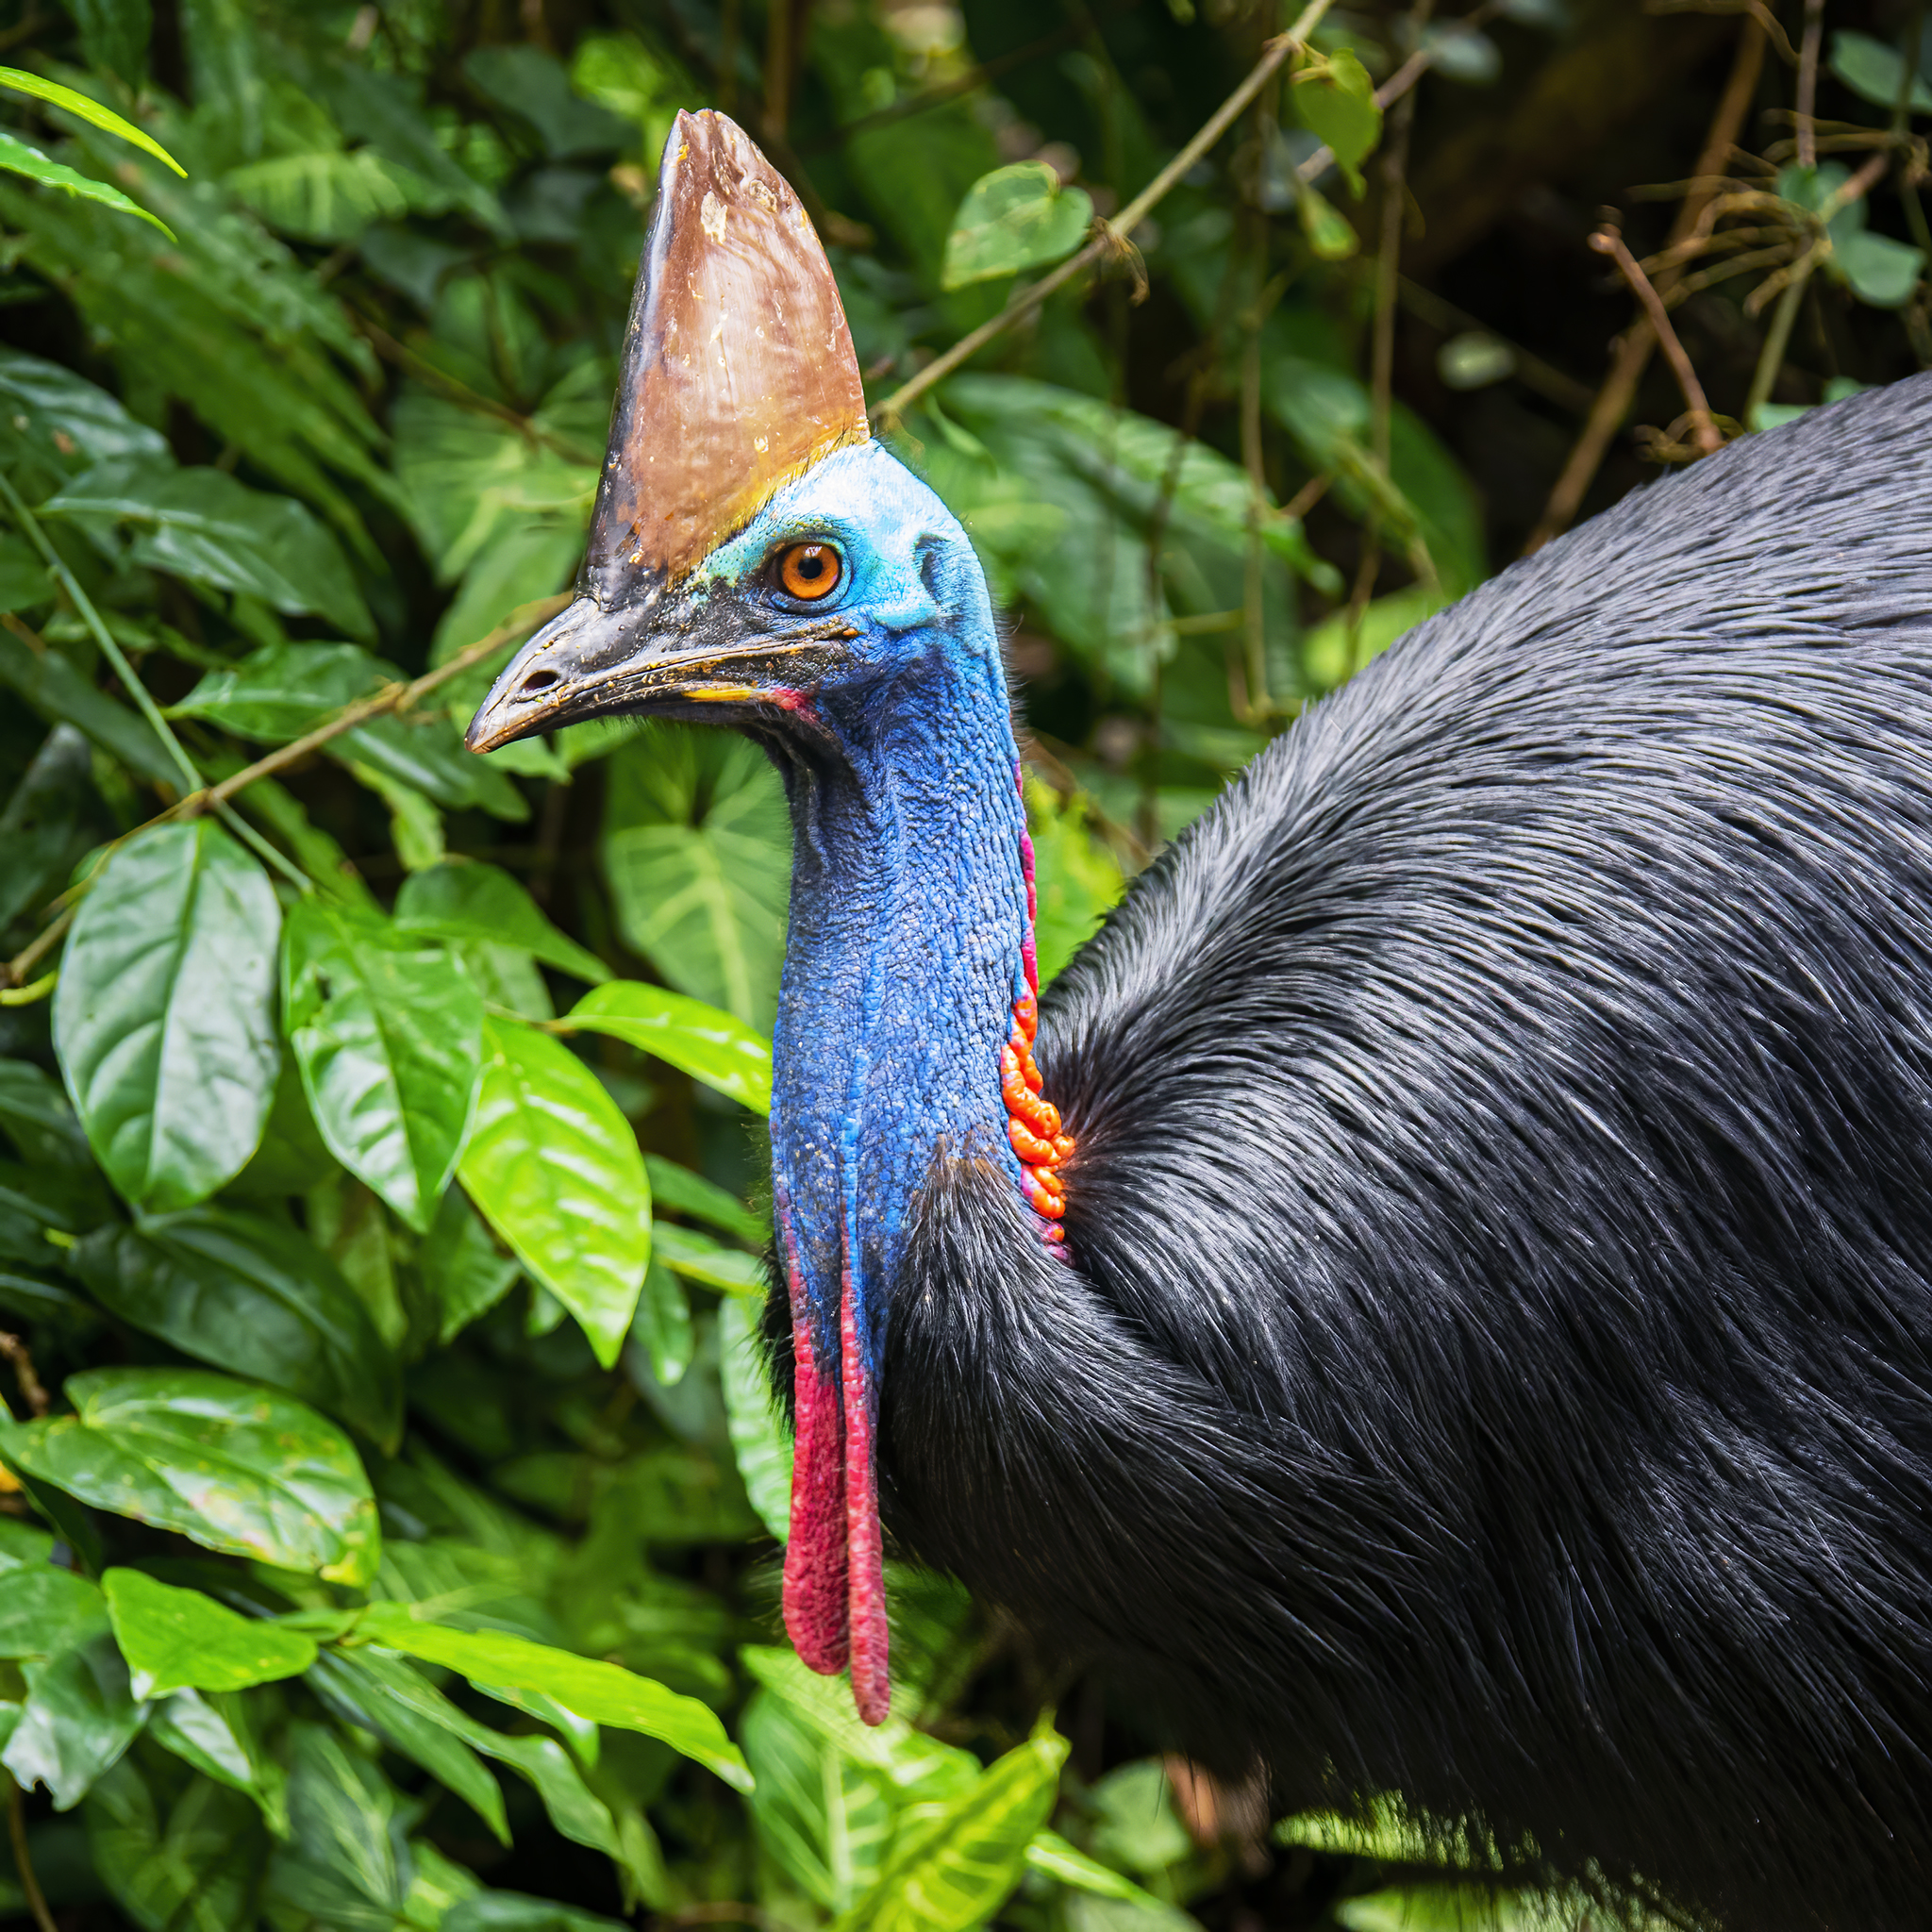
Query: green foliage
x=397, y=1486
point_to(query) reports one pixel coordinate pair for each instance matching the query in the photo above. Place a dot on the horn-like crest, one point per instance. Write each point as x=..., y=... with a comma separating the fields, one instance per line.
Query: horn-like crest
x=738, y=371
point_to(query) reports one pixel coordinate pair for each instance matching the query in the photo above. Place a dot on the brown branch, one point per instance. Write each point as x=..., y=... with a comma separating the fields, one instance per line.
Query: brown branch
x=1609, y=241
x=1758, y=12
x=1807, y=84
x=16, y=1352
x=397, y=697
x=1619, y=390
x=1114, y=232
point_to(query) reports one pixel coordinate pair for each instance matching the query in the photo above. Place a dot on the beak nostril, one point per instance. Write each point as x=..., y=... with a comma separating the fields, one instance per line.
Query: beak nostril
x=539, y=682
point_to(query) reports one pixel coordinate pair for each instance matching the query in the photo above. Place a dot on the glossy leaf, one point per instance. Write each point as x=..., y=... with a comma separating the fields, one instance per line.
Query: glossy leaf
x=177, y=1855
x=249, y=1294
x=388, y=1036
x=953, y=1870
x=676, y=1187
x=1014, y=218
x=469, y=901
x=183, y=1638
x=284, y=690
x=214, y=1736
x=42, y=828
x=18, y=158
x=347, y=1864
x=44, y=1609
x=35, y=1116
x=80, y=1716
x=697, y=848
x=462, y=1269
x=202, y=525
x=588, y=1686
x=707, y=1044
x=51, y=684
x=1336, y=101
x=825, y=1820
x=230, y=1466
x=1878, y=73
x=759, y=1438
x=555, y=1168
x=92, y=111
x=664, y=1325
x=163, y=1017
x=729, y=1270
x=1050, y=1854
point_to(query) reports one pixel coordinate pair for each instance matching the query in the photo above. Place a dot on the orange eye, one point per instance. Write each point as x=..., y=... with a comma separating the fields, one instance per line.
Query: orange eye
x=809, y=572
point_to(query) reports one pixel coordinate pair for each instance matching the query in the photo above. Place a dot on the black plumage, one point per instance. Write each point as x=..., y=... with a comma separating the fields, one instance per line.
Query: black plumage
x=1497, y=1363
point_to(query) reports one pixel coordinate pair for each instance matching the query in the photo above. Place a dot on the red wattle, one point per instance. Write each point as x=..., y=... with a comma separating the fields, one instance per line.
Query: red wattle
x=815, y=1562
x=872, y=1689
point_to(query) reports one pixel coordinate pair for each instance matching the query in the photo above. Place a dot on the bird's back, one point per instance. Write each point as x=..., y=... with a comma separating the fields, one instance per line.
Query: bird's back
x=1505, y=1129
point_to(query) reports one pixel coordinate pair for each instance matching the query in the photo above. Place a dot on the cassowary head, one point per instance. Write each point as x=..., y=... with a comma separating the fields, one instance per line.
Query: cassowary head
x=756, y=560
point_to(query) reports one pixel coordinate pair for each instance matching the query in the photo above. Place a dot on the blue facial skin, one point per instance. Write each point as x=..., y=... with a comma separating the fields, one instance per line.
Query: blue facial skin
x=908, y=903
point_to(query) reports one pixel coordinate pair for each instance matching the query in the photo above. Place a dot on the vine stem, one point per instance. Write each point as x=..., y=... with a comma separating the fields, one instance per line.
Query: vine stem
x=1111, y=234
x=1609, y=241
x=397, y=697
x=30, y=1881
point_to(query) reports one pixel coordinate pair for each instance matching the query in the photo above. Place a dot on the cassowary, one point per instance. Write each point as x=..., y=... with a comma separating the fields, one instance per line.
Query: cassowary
x=1435, y=1298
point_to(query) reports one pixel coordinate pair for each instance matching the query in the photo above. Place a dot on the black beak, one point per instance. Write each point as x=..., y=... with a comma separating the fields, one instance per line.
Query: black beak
x=657, y=654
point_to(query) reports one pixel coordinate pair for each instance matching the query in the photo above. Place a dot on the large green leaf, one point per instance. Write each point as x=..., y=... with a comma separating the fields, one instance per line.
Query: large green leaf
x=555, y=1168
x=203, y=525
x=729, y=1270
x=57, y=423
x=698, y=853
x=347, y=1866
x=35, y=1115
x=332, y=195
x=711, y=1045
x=55, y=687
x=462, y=1269
x=1016, y=217
x=177, y=1855
x=18, y=158
x=163, y=1018
x=90, y=111
x=183, y=1638
x=825, y=1820
x=282, y=691
x=604, y=1693
x=44, y=1609
x=956, y=1869
x=232, y=1466
x=389, y=1035
x=252, y=1295
x=215, y=1736
x=42, y=830
x=759, y=1440
x=463, y=900
x=80, y=1716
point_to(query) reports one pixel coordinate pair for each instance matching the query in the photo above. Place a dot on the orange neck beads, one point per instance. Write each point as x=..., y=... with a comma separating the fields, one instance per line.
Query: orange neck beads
x=1033, y=1123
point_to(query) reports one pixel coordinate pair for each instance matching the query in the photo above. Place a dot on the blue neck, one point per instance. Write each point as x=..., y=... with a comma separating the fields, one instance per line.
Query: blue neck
x=908, y=915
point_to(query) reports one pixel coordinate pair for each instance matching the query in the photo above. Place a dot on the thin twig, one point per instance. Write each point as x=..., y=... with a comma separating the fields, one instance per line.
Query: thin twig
x=1609, y=241
x=1758, y=12
x=1807, y=83
x=23, y=1860
x=31, y=1390
x=1112, y=233
x=1619, y=390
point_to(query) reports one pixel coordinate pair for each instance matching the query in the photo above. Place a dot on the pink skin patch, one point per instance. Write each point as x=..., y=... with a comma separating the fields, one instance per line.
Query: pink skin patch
x=872, y=1689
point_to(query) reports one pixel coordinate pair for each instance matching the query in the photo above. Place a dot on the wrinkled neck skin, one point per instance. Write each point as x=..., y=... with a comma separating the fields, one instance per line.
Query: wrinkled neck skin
x=910, y=938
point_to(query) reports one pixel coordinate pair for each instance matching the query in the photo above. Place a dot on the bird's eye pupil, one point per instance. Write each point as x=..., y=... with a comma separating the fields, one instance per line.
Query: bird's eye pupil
x=810, y=569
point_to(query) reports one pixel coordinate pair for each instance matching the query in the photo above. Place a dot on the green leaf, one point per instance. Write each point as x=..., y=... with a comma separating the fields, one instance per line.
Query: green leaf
x=1336, y=101
x=425, y=750
x=758, y=1439
x=45, y=1610
x=23, y=1546
x=89, y=110
x=1878, y=73
x=53, y=687
x=825, y=1820
x=329, y=195
x=1138, y=1827
x=178, y=1640
x=214, y=1736
x=59, y=422
x=44, y=828
x=676, y=1187
x=35, y=1115
x=1014, y=218
x=284, y=690
x=731, y=1271
x=955, y=1870
x=389, y=1035
x=347, y=1867
x=384, y=1695
x=114, y=34
x=1880, y=271
x=464, y=900
x=177, y=1855
x=462, y=1269
x=1331, y=235
x=711, y=1045
x=515, y=1911
x=203, y=525
x=555, y=1168
x=1049, y=1853
x=697, y=847
x=1076, y=877
x=914, y=1762
x=664, y=1325
x=163, y=1018
x=592, y=1689
x=78, y=1718
x=17, y=157
x=252, y=1295
x=229, y=1466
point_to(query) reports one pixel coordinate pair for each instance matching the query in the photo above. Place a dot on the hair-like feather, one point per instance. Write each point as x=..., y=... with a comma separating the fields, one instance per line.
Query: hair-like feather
x=1496, y=1367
